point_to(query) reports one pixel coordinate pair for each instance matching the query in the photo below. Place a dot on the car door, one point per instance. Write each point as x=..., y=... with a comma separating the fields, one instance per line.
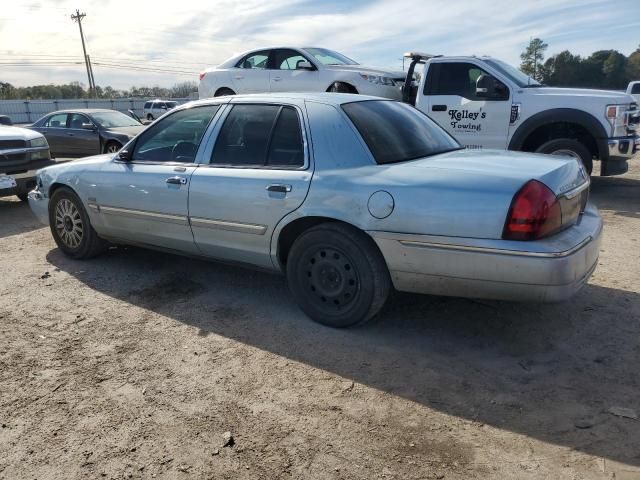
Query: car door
x=54, y=129
x=82, y=135
x=285, y=76
x=251, y=74
x=476, y=122
x=259, y=172
x=143, y=199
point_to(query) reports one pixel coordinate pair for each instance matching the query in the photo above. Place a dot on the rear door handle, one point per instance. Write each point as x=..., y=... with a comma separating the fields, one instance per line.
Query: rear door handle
x=278, y=187
x=439, y=108
x=177, y=180
x=276, y=79
x=238, y=77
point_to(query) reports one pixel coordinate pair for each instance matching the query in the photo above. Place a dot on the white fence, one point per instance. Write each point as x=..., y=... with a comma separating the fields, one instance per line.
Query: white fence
x=28, y=111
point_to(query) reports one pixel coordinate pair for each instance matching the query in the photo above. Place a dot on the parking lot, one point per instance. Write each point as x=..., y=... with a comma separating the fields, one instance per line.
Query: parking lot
x=135, y=364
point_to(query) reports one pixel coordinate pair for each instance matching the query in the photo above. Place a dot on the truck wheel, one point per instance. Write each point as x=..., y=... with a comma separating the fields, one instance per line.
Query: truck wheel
x=150, y=117
x=70, y=226
x=568, y=146
x=337, y=275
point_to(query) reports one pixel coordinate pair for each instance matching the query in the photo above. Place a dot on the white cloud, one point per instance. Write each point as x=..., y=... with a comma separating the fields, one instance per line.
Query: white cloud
x=192, y=34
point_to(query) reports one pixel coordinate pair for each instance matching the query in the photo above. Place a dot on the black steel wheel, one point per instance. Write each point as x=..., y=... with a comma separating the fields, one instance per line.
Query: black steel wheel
x=337, y=275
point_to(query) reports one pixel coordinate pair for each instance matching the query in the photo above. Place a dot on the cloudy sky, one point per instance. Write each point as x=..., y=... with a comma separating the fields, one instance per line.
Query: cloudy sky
x=142, y=42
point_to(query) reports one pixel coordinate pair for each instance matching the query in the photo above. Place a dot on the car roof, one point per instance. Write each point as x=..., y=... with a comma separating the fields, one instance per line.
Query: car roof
x=329, y=98
x=83, y=110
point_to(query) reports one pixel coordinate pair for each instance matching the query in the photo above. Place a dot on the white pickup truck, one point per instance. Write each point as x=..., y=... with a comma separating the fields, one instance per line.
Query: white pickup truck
x=486, y=103
x=633, y=89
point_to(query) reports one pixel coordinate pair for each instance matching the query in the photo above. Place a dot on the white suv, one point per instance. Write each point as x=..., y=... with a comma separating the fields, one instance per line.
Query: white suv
x=292, y=69
x=156, y=108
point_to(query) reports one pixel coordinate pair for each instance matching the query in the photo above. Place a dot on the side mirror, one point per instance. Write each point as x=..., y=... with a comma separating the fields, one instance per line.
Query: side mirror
x=303, y=65
x=485, y=86
x=89, y=126
x=124, y=155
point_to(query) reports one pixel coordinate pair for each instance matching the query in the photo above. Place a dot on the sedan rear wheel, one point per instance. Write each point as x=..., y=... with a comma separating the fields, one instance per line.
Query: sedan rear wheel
x=71, y=227
x=337, y=275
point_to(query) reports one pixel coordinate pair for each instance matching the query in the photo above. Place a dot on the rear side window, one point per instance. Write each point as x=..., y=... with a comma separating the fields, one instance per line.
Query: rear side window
x=259, y=136
x=147, y=105
x=636, y=88
x=255, y=60
x=59, y=120
x=395, y=132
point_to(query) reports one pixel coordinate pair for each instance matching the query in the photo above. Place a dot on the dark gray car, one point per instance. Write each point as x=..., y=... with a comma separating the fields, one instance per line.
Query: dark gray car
x=82, y=132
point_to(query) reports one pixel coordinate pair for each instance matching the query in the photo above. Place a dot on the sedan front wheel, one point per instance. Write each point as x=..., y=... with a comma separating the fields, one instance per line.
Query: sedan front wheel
x=71, y=227
x=337, y=275
x=112, y=147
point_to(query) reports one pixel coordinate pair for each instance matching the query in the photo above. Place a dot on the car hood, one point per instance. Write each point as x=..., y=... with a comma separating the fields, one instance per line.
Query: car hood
x=17, y=133
x=128, y=131
x=608, y=96
x=369, y=70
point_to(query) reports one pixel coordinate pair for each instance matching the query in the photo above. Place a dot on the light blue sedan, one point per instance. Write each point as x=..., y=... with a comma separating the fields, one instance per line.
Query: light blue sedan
x=348, y=195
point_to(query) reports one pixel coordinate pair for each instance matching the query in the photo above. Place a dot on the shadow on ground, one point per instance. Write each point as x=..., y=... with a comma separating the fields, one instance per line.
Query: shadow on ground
x=550, y=372
x=16, y=217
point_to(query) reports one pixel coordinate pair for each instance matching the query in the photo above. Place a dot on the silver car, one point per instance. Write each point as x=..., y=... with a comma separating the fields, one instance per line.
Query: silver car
x=347, y=195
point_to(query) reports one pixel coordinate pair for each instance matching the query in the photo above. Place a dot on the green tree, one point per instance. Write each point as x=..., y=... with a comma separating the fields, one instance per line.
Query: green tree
x=532, y=58
x=632, y=69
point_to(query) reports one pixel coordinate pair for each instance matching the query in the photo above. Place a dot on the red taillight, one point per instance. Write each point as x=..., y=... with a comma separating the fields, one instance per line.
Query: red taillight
x=202, y=74
x=534, y=213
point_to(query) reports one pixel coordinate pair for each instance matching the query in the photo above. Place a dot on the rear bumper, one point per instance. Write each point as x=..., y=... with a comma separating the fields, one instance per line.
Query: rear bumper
x=548, y=270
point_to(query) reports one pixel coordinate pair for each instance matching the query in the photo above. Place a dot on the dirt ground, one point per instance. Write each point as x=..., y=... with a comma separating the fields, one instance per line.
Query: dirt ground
x=136, y=363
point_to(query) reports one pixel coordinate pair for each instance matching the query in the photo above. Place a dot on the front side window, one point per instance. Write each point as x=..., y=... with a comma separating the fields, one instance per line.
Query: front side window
x=147, y=105
x=259, y=136
x=59, y=120
x=635, y=89
x=287, y=59
x=396, y=132
x=255, y=60
x=174, y=138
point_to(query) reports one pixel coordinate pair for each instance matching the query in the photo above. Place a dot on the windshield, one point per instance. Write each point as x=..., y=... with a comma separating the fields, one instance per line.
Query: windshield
x=396, y=132
x=114, y=120
x=516, y=76
x=329, y=57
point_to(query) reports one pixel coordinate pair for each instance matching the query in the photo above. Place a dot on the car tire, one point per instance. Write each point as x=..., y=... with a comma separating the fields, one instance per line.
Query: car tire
x=568, y=146
x=340, y=87
x=150, y=117
x=112, y=147
x=71, y=227
x=224, y=91
x=337, y=275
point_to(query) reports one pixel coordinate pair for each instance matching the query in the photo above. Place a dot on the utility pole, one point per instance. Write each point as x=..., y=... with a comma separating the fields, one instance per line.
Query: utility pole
x=78, y=18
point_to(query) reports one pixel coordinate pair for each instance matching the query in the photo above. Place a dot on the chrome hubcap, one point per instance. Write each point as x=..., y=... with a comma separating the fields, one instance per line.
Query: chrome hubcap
x=68, y=223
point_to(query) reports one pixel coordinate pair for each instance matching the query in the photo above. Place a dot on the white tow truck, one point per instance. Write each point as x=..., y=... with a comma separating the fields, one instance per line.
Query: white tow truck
x=486, y=103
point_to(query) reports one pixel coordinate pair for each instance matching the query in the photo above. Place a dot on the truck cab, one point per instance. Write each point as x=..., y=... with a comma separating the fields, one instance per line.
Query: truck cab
x=486, y=103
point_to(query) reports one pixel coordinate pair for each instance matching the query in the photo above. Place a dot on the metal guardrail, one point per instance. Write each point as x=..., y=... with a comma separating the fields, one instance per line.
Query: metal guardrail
x=28, y=111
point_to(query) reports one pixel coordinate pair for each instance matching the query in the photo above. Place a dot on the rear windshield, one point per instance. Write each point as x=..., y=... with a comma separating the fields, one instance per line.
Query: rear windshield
x=396, y=132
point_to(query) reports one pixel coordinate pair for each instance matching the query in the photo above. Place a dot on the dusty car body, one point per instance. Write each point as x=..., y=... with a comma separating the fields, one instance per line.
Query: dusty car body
x=355, y=195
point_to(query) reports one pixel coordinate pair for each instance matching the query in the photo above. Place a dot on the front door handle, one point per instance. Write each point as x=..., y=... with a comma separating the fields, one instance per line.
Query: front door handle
x=238, y=77
x=277, y=79
x=177, y=180
x=279, y=188
x=439, y=108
